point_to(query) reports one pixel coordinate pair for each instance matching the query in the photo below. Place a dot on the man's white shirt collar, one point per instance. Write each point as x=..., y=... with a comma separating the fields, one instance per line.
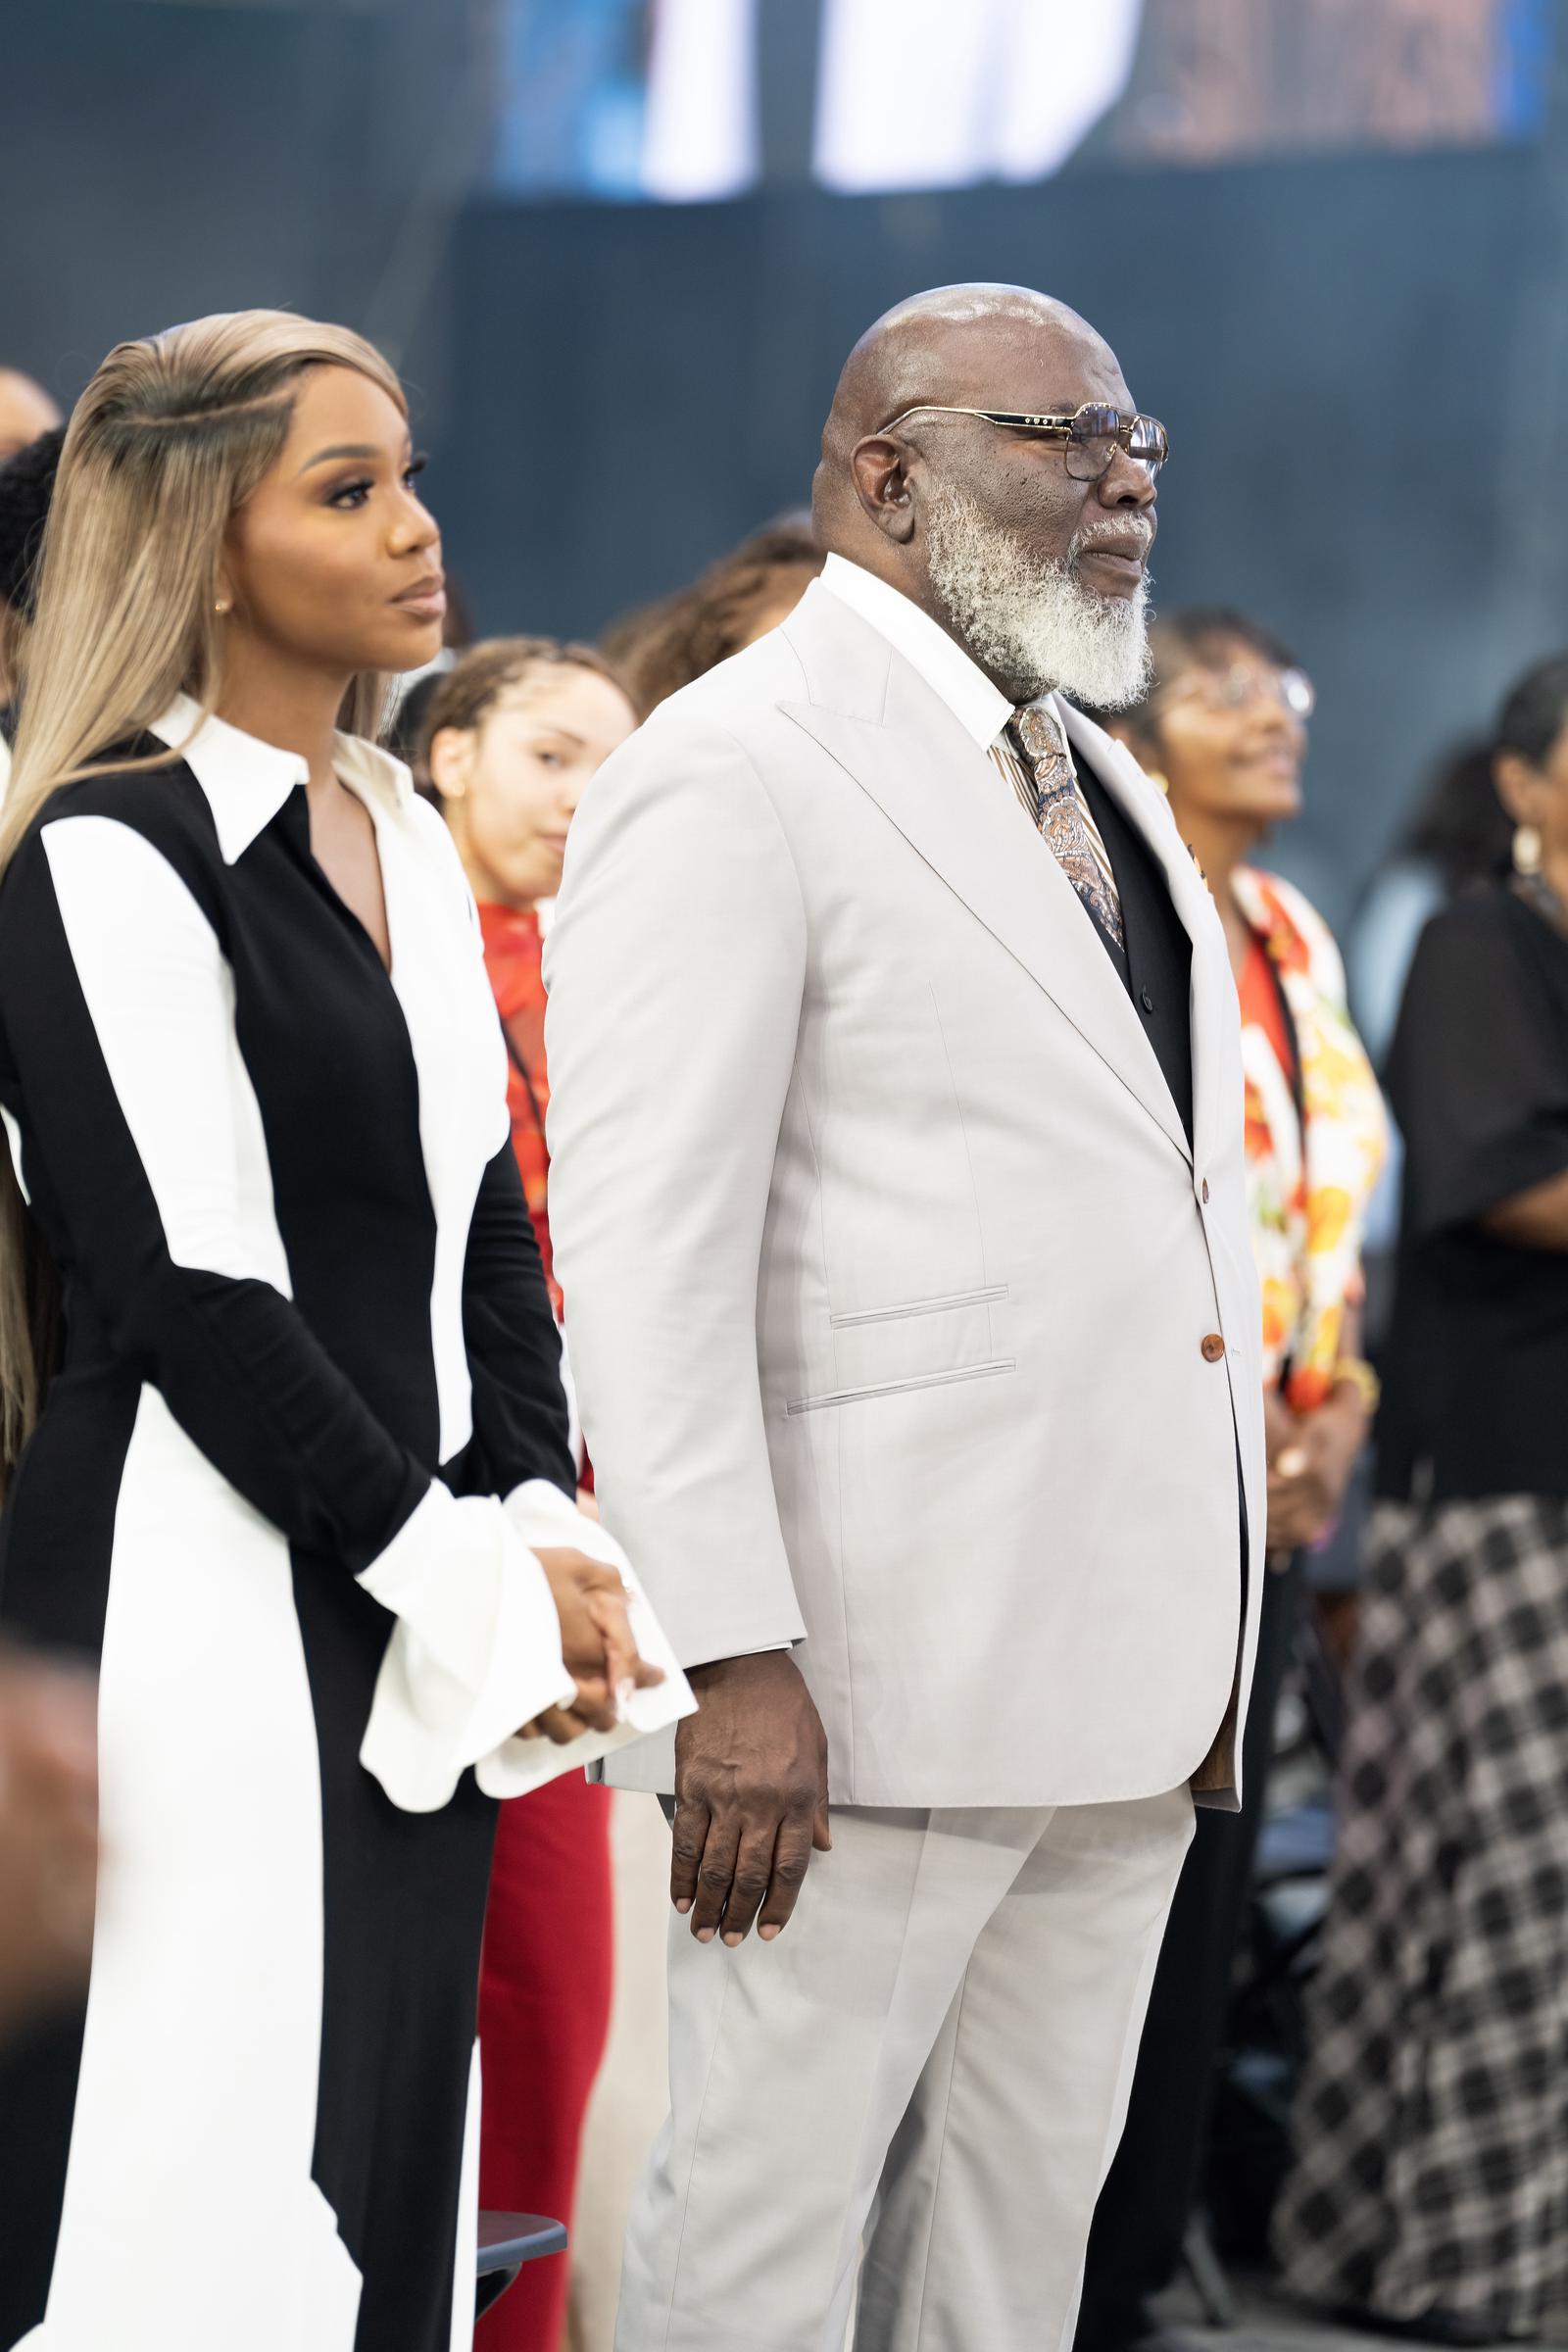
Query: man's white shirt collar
x=981, y=709
x=247, y=781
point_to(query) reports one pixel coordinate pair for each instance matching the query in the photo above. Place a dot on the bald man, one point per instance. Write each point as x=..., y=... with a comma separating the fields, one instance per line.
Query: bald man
x=898, y=1200
x=26, y=412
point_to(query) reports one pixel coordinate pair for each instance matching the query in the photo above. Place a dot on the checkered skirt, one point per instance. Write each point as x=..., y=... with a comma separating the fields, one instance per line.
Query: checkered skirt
x=1431, y=2126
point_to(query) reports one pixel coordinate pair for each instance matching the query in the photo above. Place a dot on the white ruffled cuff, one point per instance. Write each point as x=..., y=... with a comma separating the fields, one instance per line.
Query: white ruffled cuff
x=545, y=1519
x=474, y=1654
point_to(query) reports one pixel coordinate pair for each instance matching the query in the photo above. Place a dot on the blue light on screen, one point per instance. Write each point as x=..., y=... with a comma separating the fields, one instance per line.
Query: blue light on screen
x=660, y=100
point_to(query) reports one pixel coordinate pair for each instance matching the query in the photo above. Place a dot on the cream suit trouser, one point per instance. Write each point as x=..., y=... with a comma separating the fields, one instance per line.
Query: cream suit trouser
x=934, y=2058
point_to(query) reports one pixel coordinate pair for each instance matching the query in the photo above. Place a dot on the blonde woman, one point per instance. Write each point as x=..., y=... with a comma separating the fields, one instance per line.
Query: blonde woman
x=300, y=1482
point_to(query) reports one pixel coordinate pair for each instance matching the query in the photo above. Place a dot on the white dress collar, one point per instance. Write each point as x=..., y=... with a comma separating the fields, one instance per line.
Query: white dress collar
x=247, y=781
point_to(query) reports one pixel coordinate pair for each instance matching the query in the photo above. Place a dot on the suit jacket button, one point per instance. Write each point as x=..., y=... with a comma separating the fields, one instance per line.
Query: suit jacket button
x=1206, y=1191
x=1146, y=1001
x=1213, y=1349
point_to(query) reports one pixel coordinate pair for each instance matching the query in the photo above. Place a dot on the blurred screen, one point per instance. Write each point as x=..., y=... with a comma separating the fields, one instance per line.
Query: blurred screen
x=696, y=100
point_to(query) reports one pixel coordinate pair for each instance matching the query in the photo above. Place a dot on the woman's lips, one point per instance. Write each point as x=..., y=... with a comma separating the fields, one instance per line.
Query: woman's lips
x=426, y=601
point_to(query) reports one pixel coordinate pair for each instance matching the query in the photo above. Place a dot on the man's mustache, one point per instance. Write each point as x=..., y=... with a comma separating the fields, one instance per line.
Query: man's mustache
x=1124, y=535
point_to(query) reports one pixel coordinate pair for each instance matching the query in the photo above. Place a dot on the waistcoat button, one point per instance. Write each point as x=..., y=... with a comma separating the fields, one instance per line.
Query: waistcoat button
x=1213, y=1349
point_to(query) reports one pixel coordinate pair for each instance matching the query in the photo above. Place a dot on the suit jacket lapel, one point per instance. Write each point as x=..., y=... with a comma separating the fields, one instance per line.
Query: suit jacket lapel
x=1214, y=997
x=901, y=742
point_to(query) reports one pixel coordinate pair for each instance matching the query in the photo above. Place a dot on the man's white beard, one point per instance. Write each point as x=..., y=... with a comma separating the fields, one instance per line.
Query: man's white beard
x=1037, y=628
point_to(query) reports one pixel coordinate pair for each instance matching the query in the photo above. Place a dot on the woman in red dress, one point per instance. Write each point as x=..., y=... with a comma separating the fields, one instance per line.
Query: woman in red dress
x=514, y=732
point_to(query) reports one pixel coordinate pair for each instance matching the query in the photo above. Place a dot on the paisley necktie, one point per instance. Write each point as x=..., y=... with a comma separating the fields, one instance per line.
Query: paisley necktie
x=1059, y=812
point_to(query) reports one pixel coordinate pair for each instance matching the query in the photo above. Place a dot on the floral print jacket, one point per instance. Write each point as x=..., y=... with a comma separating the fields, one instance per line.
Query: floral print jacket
x=1313, y=1156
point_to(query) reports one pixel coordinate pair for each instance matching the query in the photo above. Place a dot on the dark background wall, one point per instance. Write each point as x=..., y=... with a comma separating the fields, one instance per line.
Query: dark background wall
x=1358, y=364
x=1363, y=363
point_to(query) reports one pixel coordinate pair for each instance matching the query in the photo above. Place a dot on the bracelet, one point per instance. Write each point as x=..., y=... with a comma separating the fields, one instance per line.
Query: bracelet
x=1354, y=1372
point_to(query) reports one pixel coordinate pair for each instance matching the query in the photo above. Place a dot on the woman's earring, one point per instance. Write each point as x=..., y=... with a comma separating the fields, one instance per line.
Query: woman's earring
x=1526, y=850
x=223, y=605
x=1160, y=782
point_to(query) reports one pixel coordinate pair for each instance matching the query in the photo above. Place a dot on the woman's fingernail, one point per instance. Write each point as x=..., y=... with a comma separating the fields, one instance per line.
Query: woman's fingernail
x=732, y=1937
x=768, y=1933
x=683, y=1903
x=705, y=1935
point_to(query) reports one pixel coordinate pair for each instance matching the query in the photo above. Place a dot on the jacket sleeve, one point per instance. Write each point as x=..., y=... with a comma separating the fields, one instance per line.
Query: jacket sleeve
x=1477, y=1074
x=520, y=1421
x=133, y=1116
x=676, y=966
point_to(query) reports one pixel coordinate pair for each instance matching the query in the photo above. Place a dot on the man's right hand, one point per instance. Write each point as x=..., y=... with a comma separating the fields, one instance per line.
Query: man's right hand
x=750, y=1797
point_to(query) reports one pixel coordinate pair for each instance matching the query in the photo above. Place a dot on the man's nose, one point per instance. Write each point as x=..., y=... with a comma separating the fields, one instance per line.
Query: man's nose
x=1128, y=482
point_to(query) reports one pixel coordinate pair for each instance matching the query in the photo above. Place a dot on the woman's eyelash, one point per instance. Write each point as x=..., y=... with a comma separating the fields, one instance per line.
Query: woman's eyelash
x=359, y=491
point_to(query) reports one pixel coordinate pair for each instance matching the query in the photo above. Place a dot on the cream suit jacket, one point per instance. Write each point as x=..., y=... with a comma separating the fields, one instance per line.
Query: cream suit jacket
x=888, y=1272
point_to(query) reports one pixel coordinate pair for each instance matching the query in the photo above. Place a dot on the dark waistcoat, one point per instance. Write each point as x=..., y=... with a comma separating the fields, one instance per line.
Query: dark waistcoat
x=1159, y=953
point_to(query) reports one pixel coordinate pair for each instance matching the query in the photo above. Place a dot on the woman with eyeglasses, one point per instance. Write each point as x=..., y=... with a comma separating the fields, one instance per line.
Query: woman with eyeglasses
x=1223, y=730
x=1431, y=2181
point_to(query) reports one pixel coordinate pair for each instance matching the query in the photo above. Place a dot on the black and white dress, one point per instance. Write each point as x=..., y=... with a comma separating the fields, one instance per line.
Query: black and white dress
x=309, y=1419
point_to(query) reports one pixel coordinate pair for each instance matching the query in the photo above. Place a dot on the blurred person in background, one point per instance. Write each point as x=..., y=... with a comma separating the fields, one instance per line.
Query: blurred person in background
x=25, y=410
x=1430, y=2192
x=48, y=1742
x=1459, y=834
x=48, y=1856
x=300, y=1484
x=1223, y=731
x=513, y=732
x=664, y=645
x=26, y=486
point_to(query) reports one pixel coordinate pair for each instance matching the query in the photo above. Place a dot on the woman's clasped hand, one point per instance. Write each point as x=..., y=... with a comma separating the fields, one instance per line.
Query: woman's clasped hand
x=597, y=1643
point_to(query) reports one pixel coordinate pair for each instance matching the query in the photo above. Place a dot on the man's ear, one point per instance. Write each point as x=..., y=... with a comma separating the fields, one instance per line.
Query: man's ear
x=878, y=471
x=452, y=760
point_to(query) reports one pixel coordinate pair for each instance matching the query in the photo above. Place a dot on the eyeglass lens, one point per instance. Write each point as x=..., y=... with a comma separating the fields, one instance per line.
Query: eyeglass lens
x=1238, y=688
x=1099, y=431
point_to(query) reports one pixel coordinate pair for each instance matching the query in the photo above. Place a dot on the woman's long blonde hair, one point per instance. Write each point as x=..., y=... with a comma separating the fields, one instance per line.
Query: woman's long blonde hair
x=171, y=436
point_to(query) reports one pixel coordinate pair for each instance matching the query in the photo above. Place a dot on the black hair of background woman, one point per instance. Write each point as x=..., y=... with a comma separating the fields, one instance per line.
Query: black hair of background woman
x=1461, y=827
x=26, y=486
